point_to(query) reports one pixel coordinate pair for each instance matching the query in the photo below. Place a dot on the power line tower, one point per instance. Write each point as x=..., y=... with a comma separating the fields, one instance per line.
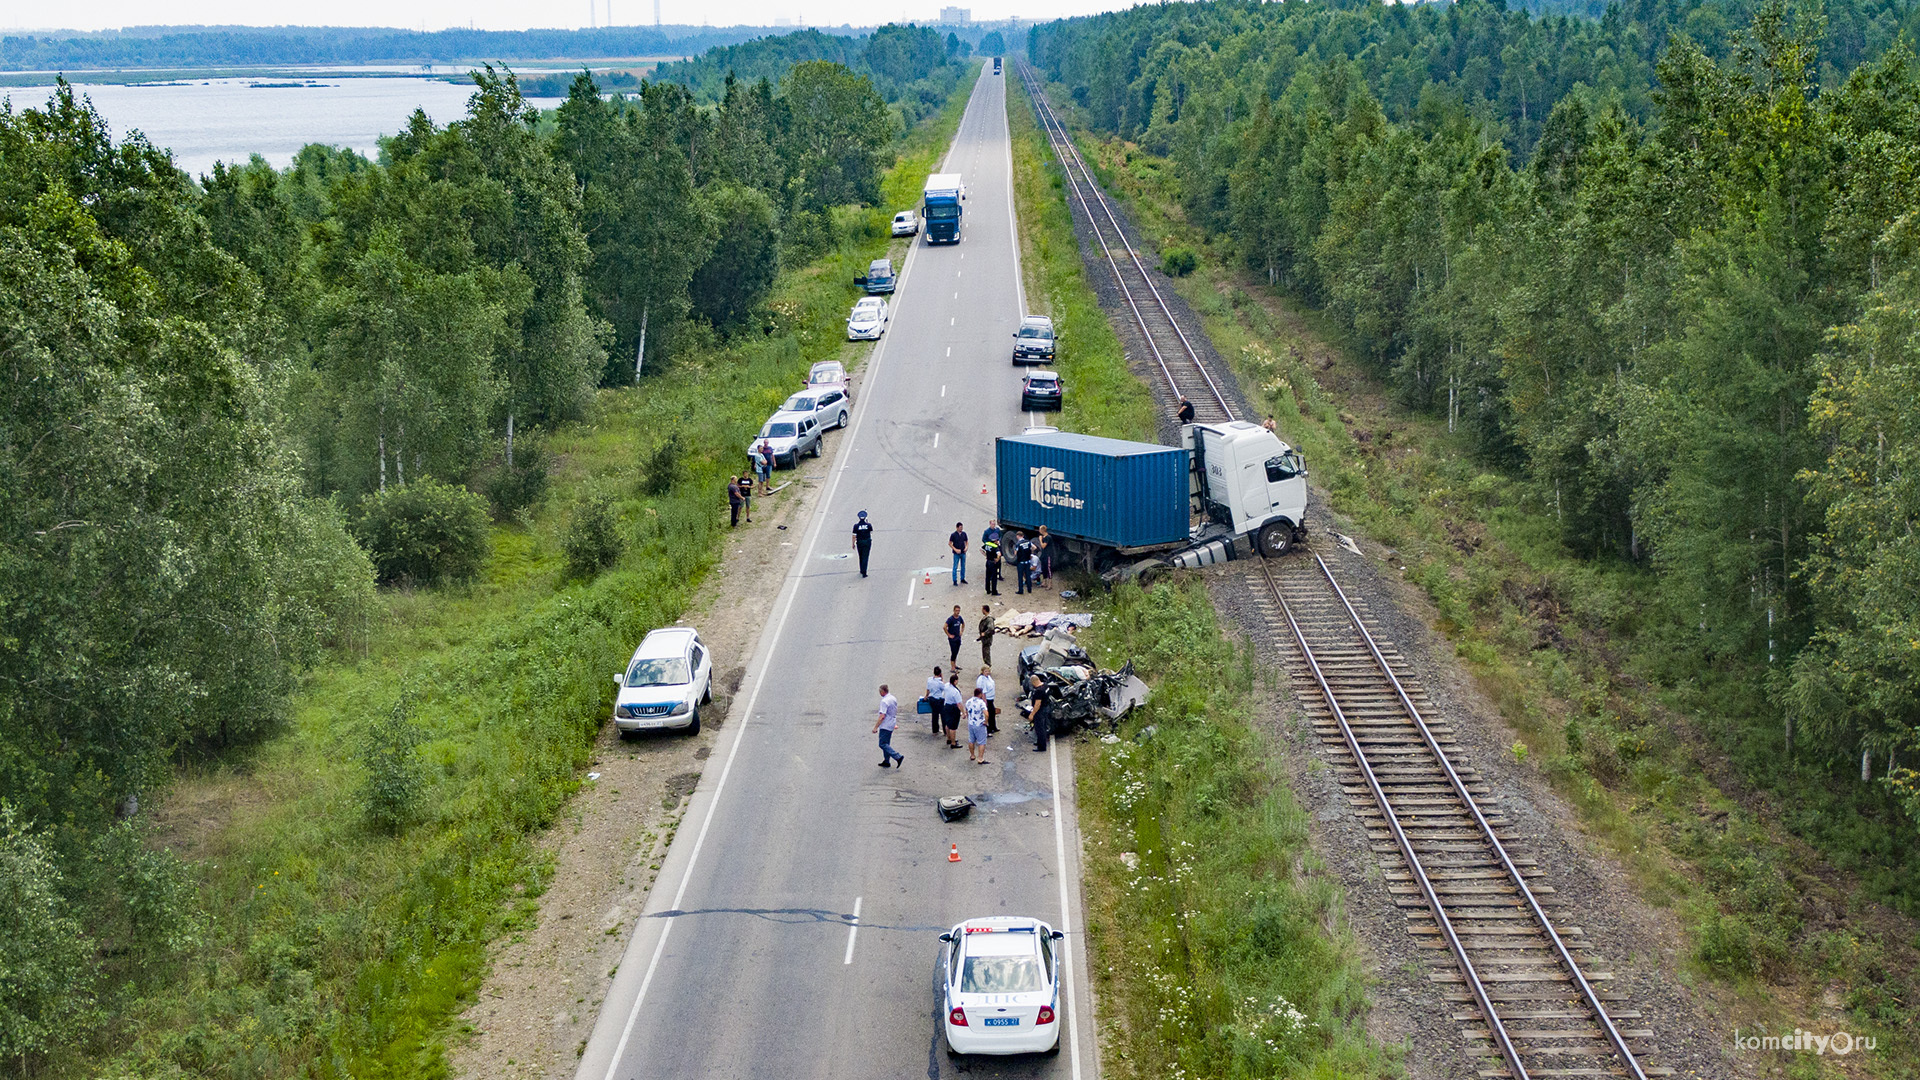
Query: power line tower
x=656, y=13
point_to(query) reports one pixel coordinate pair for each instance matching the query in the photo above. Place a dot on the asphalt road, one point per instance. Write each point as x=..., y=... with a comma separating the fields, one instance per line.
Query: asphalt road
x=749, y=960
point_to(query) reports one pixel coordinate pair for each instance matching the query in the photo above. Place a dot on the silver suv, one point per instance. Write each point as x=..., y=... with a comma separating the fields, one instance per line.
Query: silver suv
x=1033, y=342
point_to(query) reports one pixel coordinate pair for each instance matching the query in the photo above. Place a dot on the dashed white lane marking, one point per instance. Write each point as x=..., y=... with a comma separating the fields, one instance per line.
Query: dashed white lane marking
x=852, y=929
x=927, y=503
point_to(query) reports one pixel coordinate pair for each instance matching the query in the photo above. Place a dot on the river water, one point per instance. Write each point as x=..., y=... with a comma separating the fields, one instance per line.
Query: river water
x=208, y=120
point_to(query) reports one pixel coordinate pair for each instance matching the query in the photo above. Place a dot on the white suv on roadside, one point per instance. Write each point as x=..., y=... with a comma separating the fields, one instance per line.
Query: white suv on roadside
x=666, y=682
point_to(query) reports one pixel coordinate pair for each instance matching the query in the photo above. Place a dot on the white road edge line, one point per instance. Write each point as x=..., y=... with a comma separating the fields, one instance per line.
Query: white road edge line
x=852, y=929
x=792, y=589
x=1066, y=910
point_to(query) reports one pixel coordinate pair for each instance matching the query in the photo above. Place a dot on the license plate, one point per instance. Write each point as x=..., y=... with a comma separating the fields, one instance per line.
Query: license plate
x=1003, y=1021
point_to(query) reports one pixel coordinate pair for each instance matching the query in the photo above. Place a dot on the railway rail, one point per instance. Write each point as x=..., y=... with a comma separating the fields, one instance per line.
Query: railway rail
x=1528, y=991
x=1160, y=333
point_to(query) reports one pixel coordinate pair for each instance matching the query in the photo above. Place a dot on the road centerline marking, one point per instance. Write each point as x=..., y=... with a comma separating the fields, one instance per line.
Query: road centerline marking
x=853, y=927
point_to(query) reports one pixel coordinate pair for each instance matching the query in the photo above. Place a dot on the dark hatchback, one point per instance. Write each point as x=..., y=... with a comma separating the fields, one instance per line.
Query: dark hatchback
x=1042, y=390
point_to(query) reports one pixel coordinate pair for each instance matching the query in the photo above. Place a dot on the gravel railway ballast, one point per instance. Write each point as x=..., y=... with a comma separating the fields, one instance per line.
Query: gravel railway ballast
x=1529, y=992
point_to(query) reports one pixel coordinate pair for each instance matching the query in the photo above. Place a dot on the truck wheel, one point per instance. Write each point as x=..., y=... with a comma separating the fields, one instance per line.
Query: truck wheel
x=1275, y=538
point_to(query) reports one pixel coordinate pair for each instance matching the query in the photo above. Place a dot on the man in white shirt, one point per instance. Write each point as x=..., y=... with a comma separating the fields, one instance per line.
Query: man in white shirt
x=984, y=684
x=884, y=725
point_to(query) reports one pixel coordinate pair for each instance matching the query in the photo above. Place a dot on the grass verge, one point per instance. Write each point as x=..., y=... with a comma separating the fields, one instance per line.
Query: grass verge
x=1103, y=397
x=336, y=949
x=1766, y=874
x=1217, y=941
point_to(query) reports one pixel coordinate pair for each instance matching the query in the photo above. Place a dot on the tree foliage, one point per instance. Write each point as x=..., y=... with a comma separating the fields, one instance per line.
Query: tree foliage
x=1658, y=263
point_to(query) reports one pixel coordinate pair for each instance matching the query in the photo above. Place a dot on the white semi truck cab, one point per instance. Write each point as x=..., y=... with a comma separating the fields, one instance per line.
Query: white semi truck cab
x=1244, y=484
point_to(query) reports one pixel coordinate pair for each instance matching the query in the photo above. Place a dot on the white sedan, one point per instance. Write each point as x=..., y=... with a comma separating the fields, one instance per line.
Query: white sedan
x=1000, y=979
x=906, y=223
x=666, y=682
x=868, y=320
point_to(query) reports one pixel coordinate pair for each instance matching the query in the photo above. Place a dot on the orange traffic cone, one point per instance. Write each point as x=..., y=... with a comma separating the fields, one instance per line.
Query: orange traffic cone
x=983, y=489
x=954, y=854
x=928, y=580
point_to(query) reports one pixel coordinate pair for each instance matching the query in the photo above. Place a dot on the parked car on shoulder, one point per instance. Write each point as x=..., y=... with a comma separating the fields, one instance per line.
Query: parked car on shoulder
x=1000, y=986
x=1033, y=343
x=830, y=373
x=880, y=278
x=666, y=682
x=906, y=223
x=868, y=319
x=826, y=405
x=1042, y=390
x=790, y=435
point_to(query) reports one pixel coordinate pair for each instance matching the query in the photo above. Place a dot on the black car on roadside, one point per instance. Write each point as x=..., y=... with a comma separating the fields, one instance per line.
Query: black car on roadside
x=1042, y=390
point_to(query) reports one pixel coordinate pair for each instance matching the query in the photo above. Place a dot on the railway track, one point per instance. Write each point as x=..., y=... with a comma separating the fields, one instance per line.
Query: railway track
x=1527, y=990
x=1158, y=331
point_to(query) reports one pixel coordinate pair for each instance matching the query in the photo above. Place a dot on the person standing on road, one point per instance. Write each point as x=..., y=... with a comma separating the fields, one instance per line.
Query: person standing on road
x=733, y=501
x=956, y=629
x=936, y=696
x=1020, y=549
x=957, y=542
x=984, y=684
x=1043, y=553
x=883, y=725
x=1042, y=698
x=863, y=540
x=990, y=551
x=746, y=498
x=985, y=633
x=1186, y=411
x=950, y=717
x=990, y=534
x=977, y=728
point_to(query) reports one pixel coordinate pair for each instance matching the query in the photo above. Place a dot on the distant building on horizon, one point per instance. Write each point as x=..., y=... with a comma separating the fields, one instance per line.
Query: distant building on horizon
x=956, y=15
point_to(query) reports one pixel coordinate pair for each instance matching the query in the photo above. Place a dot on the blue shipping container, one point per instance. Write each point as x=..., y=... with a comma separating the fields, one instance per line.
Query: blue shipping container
x=1114, y=493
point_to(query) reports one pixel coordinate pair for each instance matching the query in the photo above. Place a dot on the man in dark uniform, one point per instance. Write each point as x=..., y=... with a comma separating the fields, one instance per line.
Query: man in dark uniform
x=1042, y=698
x=1186, y=411
x=863, y=540
x=992, y=551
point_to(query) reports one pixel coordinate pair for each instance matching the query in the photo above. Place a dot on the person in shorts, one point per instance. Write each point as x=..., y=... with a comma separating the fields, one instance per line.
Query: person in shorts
x=977, y=727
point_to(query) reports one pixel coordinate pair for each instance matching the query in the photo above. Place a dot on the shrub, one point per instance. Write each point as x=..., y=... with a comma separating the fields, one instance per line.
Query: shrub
x=521, y=483
x=144, y=904
x=46, y=959
x=1178, y=262
x=395, y=780
x=661, y=467
x=424, y=532
x=593, y=541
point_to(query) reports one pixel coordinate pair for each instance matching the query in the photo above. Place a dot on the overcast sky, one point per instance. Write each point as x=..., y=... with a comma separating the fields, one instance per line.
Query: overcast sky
x=502, y=15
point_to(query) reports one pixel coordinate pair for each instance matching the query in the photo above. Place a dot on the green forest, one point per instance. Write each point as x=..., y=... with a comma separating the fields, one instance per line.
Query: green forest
x=1661, y=265
x=915, y=67
x=233, y=408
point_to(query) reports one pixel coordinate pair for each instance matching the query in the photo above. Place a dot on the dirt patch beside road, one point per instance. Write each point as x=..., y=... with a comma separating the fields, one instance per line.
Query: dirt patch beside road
x=533, y=1013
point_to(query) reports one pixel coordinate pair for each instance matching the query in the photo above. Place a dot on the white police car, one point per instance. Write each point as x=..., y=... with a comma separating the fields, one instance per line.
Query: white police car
x=1000, y=978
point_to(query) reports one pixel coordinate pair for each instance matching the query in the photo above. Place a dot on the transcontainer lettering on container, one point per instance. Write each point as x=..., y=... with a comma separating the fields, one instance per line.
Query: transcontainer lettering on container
x=1116, y=494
